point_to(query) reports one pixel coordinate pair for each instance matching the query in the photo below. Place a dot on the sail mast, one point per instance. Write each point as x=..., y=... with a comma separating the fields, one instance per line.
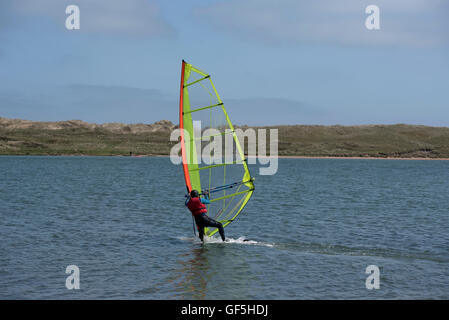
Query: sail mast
x=181, y=126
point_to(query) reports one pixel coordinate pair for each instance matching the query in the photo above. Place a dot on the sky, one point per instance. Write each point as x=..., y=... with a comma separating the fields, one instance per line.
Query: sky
x=273, y=62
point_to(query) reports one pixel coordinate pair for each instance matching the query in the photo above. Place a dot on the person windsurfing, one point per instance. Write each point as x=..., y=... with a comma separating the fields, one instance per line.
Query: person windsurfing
x=198, y=208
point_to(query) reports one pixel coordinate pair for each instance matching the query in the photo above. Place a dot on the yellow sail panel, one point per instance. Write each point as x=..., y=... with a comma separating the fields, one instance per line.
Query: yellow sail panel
x=204, y=117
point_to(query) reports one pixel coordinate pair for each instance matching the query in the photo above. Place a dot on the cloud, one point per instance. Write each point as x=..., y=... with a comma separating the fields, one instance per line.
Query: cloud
x=102, y=104
x=403, y=22
x=105, y=104
x=92, y=103
x=132, y=17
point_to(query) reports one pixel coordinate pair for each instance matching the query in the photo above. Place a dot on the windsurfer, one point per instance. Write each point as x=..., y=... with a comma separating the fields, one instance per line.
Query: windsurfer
x=197, y=206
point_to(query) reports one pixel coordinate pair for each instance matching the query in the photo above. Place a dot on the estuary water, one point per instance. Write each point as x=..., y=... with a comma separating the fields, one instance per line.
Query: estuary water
x=313, y=229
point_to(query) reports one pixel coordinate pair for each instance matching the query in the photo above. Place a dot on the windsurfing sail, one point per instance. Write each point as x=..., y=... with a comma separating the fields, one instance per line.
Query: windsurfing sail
x=205, y=129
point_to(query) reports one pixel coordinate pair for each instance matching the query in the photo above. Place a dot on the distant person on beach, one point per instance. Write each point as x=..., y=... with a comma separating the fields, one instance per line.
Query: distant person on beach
x=198, y=208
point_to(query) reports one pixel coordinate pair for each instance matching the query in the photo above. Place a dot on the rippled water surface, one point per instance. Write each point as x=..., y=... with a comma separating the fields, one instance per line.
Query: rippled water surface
x=314, y=227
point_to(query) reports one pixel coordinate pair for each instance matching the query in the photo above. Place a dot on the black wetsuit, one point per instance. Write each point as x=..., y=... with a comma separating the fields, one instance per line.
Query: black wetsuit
x=204, y=221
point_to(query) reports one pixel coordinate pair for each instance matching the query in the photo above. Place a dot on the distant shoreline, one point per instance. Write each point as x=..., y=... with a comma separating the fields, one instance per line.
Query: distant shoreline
x=356, y=158
x=77, y=138
x=167, y=156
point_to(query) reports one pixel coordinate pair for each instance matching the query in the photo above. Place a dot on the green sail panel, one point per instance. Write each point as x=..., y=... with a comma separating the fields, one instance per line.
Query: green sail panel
x=203, y=118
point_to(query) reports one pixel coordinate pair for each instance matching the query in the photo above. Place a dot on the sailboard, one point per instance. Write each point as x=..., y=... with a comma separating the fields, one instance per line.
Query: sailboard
x=203, y=119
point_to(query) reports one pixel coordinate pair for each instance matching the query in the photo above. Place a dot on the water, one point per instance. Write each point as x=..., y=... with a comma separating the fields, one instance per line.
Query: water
x=314, y=227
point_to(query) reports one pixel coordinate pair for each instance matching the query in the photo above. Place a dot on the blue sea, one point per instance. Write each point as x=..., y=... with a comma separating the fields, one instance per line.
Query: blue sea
x=312, y=229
